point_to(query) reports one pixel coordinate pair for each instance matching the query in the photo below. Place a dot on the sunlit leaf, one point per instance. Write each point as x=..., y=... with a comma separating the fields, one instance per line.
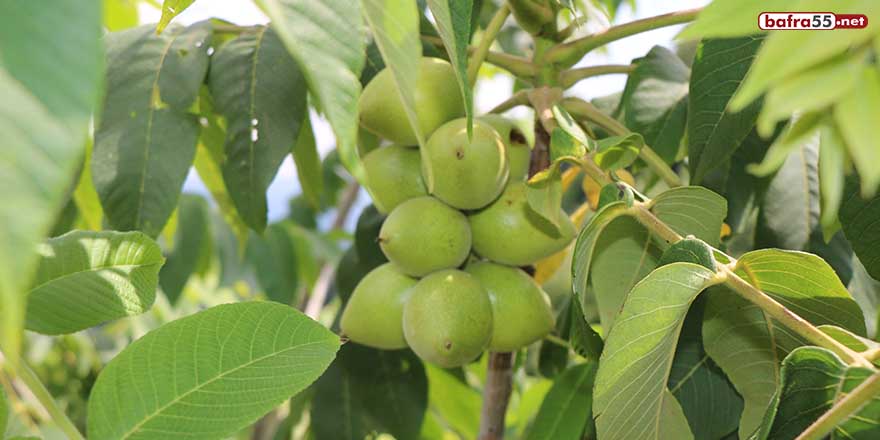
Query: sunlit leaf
x=220, y=370
x=171, y=9
x=453, y=20
x=565, y=412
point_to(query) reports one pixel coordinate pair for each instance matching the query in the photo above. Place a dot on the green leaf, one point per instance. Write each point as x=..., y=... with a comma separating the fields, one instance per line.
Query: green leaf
x=569, y=126
x=654, y=101
x=707, y=399
x=565, y=411
x=368, y=391
x=832, y=166
x=858, y=216
x=366, y=236
x=395, y=28
x=799, y=130
x=624, y=254
x=746, y=345
x=86, y=278
x=308, y=164
x=544, y=196
x=788, y=53
x=714, y=132
x=147, y=137
x=582, y=338
x=866, y=291
x=585, y=247
x=689, y=250
x=209, y=165
x=456, y=403
x=120, y=14
x=564, y=144
x=326, y=40
x=219, y=370
x=453, y=18
x=790, y=206
x=731, y=18
x=692, y=210
x=630, y=396
x=86, y=198
x=616, y=152
x=192, y=246
x=171, y=9
x=813, y=379
x=856, y=115
x=812, y=90
x=260, y=91
x=275, y=262
x=847, y=338
x=44, y=117
x=4, y=412
x=805, y=284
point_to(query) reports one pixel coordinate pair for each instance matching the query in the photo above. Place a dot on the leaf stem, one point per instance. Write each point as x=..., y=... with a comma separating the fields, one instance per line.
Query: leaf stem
x=588, y=111
x=519, y=98
x=33, y=383
x=571, y=52
x=489, y=34
x=568, y=78
x=518, y=66
x=843, y=409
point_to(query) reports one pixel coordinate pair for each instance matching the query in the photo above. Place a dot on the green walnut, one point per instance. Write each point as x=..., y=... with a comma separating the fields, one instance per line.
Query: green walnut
x=448, y=318
x=437, y=100
x=466, y=174
x=393, y=176
x=509, y=232
x=423, y=235
x=518, y=151
x=521, y=310
x=374, y=313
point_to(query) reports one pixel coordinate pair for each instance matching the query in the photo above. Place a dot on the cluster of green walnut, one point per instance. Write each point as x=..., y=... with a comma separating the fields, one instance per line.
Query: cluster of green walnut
x=457, y=231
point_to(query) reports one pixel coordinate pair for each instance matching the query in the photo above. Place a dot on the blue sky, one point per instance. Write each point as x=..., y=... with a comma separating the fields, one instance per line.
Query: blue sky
x=489, y=91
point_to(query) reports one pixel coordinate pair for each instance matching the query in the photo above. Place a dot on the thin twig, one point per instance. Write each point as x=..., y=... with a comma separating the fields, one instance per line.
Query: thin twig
x=518, y=66
x=569, y=53
x=479, y=54
x=585, y=110
x=325, y=277
x=519, y=98
x=570, y=77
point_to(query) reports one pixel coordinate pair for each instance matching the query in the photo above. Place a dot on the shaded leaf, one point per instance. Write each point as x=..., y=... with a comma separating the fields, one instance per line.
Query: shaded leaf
x=260, y=91
x=276, y=264
x=583, y=339
x=326, y=39
x=805, y=284
x=630, y=396
x=692, y=210
x=616, y=152
x=858, y=217
x=832, y=166
x=171, y=9
x=86, y=278
x=308, y=164
x=146, y=141
x=353, y=401
x=456, y=403
x=813, y=379
x=219, y=369
x=713, y=131
x=689, y=250
x=565, y=411
x=585, y=247
x=192, y=246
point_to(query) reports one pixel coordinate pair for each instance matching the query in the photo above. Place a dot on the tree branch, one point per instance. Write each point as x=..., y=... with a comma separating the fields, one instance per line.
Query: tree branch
x=496, y=395
x=569, y=53
x=585, y=110
x=568, y=78
x=518, y=66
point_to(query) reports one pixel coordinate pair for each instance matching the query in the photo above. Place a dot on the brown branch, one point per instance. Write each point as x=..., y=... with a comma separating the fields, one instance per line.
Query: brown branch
x=496, y=395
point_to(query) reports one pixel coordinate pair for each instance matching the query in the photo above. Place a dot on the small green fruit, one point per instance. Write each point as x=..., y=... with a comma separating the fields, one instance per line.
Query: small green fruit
x=465, y=174
x=448, y=318
x=423, y=235
x=518, y=151
x=393, y=176
x=374, y=313
x=437, y=100
x=521, y=311
x=509, y=232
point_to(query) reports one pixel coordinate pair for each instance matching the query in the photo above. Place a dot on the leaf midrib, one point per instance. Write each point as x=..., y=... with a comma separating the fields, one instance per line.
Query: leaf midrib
x=202, y=385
